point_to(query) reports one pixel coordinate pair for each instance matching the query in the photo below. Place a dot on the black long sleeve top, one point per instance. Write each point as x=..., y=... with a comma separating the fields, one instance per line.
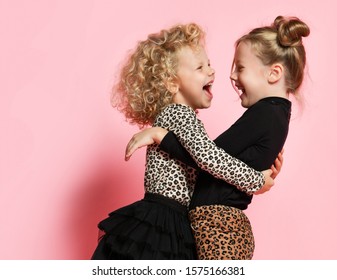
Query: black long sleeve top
x=256, y=138
x=176, y=180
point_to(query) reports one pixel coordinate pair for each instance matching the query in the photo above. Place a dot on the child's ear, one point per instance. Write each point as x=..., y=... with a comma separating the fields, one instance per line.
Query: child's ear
x=276, y=73
x=172, y=86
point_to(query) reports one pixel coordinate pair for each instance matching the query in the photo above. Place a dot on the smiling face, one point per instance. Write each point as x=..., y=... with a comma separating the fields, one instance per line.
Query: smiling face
x=195, y=78
x=249, y=75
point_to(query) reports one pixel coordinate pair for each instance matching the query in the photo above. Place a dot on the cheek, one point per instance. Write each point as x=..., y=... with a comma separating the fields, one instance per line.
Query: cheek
x=188, y=84
x=246, y=79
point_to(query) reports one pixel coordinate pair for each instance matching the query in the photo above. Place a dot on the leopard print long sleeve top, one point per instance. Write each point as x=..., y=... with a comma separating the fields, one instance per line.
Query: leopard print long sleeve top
x=174, y=179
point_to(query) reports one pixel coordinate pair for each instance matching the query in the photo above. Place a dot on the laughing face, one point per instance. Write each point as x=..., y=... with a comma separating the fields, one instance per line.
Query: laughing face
x=195, y=78
x=249, y=75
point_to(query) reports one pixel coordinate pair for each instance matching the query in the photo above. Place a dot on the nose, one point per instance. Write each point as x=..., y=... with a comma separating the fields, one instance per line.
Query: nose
x=211, y=71
x=233, y=76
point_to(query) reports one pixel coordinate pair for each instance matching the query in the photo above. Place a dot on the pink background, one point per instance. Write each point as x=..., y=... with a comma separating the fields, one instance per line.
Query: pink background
x=62, y=145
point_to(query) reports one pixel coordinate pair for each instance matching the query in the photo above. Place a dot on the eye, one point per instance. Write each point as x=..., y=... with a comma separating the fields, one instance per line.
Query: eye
x=239, y=68
x=200, y=67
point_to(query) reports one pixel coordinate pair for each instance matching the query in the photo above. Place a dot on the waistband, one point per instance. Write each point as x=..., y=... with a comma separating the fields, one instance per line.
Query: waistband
x=175, y=205
x=201, y=212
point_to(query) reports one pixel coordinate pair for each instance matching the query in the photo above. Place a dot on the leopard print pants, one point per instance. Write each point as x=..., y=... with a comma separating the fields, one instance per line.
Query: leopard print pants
x=222, y=233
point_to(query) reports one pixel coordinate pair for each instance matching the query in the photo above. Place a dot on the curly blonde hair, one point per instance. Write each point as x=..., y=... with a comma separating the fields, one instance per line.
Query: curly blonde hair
x=141, y=91
x=281, y=42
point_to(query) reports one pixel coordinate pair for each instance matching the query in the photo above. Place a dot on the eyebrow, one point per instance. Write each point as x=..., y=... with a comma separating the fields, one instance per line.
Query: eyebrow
x=238, y=62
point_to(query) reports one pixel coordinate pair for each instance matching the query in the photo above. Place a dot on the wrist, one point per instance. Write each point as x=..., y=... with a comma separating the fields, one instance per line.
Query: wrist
x=159, y=134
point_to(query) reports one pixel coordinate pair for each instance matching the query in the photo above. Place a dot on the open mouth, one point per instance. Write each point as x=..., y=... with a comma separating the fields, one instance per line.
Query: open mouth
x=239, y=90
x=208, y=88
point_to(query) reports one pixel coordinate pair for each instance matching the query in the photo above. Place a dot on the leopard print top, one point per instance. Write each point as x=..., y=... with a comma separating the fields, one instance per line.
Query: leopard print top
x=173, y=179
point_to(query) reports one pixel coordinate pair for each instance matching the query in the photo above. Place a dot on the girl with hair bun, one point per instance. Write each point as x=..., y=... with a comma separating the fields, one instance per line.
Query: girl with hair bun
x=268, y=67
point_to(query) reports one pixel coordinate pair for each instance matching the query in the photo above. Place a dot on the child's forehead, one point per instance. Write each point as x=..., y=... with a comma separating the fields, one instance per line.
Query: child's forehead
x=244, y=49
x=193, y=51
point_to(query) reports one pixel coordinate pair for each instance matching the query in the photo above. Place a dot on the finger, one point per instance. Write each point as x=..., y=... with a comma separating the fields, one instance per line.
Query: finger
x=127, y=156
x=275, y=172
x=277, y=163
x=280, y=158
x=128, y=150
x=129, y=153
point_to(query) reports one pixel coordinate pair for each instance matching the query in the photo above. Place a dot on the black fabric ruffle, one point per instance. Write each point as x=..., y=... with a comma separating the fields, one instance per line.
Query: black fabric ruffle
x=155, y=228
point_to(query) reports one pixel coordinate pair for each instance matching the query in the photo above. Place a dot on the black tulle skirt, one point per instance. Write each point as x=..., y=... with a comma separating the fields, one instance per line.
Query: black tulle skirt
x=154, y=228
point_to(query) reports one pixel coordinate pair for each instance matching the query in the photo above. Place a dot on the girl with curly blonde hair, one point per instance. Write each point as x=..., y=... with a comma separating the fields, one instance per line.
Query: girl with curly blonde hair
x=164, y=81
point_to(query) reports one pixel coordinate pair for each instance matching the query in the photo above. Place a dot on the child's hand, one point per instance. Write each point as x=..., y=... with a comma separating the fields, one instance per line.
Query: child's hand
x=276, y=167
x=143, y=138
x=269, y=182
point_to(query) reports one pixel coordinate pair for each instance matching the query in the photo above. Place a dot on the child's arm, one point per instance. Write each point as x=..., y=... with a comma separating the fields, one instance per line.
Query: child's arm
x=171, y=144
x=182, y=120
x=145, y=137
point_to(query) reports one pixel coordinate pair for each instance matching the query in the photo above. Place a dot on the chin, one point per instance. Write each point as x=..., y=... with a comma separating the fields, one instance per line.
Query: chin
x=207, y=105
x=244, y=104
